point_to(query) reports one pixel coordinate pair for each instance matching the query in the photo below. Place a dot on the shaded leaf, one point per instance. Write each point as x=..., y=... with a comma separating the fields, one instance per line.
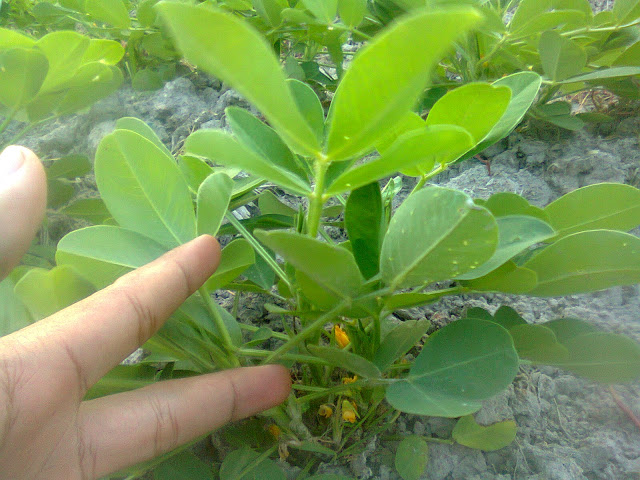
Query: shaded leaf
x=601, y=206
x=586, y=262
x=347, y=360
x=399, y=341
x=461, y=364
x=412, y=457
x=222, y=148
x=486, y=438
x=144, y=189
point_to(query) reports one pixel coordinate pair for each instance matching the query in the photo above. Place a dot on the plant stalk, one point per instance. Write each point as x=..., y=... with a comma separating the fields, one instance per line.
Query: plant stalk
x=307, y=332
x=220, y=325
x=259, y=248
x=316, y=199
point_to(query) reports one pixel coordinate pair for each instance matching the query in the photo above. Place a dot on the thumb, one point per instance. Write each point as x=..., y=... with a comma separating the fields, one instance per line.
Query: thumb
x=23, y=199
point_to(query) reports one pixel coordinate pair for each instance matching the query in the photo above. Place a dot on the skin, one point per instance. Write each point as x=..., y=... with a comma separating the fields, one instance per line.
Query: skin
x=46, y=430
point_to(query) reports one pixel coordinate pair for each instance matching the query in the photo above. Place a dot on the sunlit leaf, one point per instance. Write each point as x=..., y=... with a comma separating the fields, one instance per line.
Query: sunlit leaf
x=436, y=234
x=367, y=105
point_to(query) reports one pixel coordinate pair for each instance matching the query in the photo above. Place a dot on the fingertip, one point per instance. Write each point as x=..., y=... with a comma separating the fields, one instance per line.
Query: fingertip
x=23, y=199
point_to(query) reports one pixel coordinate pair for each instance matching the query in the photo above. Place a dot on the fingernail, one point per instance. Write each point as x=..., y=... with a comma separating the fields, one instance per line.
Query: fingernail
x=11, y=159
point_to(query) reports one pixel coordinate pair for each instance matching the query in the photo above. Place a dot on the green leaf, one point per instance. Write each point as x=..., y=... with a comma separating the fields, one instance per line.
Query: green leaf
x=141, y=128
x=603, y=357
x=309, y=105
x=412, y=457
x=538, y=344
x=568, y=328
x=352, y=12
x=220, y=147
x=144, y=189
x=261, y=272
x=264, y=141
x=64, y=51
x=104, y=253
x=58, y=193
x=476, y=107
x=184, y=465
x=146, y=80
x=524, y=90
x=503, y=204
x=197, y=314
x=235, y=259
x=410, y=121
x=13, y=314
x=122, y=378
x=365, y=225
x=436, y=234
x=561, y=57
x=602, y=206
x=399, y=341
x=516, y=233
x=387, y=76
x=91, y=209
x=508, y=317
x=486, y=438
x=194, y=170
x=270, y=10
x=508, y=278
x=408, y=300
x=323, y=10
x=214, y=195
x=45, y=292
x=626, y=10
x=269, y=204
x=229, y=49
x=11, y=38
x=69, y=167
x=347, y=360
x=22, y=73
x=113, y=12
x=605, y=73
x=586, y=262
x=333, y=267
x=252, y=464
x=415, y=152
x=630, y=57
x=460, y=365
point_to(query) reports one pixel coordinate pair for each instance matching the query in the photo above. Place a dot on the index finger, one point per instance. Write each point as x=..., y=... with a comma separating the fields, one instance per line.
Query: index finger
x=89, y=338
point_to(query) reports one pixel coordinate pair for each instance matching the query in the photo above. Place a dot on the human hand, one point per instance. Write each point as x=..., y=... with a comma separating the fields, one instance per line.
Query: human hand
x=46, y=430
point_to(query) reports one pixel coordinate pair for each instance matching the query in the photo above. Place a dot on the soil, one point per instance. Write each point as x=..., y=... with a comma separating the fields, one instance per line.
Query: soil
x=569, y=428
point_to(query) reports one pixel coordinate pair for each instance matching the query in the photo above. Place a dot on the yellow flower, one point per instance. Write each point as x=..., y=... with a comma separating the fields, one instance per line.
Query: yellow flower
x=275, y=430
x=349, y=412
x=348, y=380
x=342, y=339
x=325, y=410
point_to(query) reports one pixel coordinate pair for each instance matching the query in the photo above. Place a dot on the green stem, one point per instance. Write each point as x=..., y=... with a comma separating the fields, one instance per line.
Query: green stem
x=307, y=332
x=343, y=388
x=253, y=328
x=259, y=248
x=257, y=353
x=316, y=199
x=428, y=176
x=220, y=325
